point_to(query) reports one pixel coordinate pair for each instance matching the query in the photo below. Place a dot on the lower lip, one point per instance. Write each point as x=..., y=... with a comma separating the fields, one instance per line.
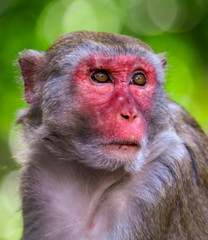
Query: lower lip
x=118, y=147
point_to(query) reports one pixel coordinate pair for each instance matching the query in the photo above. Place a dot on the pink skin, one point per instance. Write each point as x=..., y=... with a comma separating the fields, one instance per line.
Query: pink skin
x=118, y=108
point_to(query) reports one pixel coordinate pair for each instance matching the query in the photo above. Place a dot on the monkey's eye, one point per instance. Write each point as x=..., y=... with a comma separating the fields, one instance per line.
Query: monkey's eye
x=139, y=79
x=100, y=76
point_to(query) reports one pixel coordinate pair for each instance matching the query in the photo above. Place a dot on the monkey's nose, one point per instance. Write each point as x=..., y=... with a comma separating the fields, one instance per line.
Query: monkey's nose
x=129, y=116
x=128, y=109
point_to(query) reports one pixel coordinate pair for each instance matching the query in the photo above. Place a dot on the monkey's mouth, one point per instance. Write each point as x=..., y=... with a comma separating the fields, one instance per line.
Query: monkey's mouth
x=122, y=146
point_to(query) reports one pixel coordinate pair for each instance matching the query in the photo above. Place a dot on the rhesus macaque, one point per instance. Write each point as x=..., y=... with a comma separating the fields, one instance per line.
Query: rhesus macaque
x=110, y=157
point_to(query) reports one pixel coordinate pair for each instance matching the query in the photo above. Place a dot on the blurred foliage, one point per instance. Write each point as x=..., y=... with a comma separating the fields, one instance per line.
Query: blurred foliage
x=178, y=27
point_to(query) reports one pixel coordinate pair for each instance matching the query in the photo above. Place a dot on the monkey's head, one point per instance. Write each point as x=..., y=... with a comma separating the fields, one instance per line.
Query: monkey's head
x=96, y=94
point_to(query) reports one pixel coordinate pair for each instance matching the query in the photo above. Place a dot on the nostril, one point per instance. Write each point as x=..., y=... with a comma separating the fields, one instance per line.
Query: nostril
x=124, y=116
x=128, y=116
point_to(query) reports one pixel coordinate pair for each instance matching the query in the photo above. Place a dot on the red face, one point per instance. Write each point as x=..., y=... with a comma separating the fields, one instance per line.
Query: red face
x=116, y=93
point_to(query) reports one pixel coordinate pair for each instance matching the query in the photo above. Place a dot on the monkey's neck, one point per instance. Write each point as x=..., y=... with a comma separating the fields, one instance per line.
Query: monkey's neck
x=73, y=196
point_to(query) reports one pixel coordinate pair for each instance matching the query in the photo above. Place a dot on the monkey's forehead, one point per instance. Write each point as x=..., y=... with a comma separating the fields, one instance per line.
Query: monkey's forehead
x=74, y=39
x=76, y=46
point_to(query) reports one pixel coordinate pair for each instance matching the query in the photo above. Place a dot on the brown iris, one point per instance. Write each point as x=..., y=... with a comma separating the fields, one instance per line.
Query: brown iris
x=139, y=79
x=100, y=76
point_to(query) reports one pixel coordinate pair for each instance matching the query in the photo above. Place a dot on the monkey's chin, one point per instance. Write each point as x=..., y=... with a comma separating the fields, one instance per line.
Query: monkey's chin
x=124, y=152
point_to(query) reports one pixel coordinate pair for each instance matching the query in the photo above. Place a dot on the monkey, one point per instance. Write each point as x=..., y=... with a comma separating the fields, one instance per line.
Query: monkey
x=110, y=156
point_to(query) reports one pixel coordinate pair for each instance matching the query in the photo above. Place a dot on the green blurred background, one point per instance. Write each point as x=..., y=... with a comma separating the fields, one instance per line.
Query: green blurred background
x=178, y=27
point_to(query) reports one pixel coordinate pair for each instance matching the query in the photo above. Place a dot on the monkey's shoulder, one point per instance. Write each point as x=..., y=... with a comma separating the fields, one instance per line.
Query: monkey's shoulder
x=188, y=128
x=182, y=119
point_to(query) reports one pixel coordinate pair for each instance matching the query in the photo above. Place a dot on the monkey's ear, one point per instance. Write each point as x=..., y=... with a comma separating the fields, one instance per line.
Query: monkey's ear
x=30, y=62
x=162, y=57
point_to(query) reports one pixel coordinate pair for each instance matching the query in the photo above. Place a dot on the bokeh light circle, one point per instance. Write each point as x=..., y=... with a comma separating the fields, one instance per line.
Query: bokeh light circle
x=65, y=16
x=163, y=13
